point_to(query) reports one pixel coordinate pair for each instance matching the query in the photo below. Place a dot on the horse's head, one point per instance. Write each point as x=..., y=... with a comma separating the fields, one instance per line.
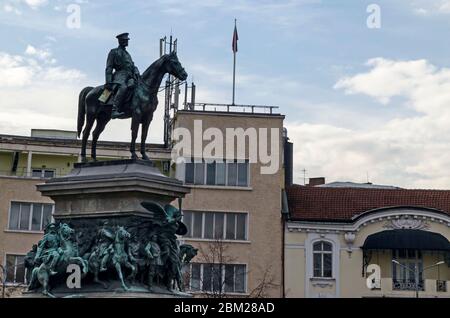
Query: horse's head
x=188, y=252
x=122, y=234
x=65, y=231
x=174, y=66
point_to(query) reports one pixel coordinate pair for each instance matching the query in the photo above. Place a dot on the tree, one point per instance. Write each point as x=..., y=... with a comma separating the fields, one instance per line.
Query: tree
x=218, y=262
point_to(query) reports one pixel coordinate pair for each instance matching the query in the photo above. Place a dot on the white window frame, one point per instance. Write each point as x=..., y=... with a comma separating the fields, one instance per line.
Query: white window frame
x=224, y=234
x=310, y=281
x=322, y=253
x=25, y=282
x=43, y=170
x=417, y=261
x=30, y=221
x=222, y=286
x=205, y=172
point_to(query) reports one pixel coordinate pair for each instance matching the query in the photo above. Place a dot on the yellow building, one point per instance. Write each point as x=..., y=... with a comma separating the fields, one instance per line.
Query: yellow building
x=348, y=240
x=28, y=161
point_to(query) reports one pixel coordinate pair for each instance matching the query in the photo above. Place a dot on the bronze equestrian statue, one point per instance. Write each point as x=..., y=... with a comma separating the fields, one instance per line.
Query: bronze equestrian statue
x=125, y=76
x=138, y=103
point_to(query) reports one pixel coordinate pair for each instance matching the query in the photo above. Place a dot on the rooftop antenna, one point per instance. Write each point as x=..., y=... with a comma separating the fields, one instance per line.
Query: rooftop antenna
x=171, y=44
x=304, y=176
x=368, y=179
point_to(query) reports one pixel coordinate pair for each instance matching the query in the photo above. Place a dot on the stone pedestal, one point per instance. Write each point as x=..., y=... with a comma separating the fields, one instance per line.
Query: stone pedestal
x=110, y=189
x=104, y=197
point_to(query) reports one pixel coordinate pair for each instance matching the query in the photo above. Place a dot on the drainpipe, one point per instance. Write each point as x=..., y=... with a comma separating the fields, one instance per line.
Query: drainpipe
x=284, y=219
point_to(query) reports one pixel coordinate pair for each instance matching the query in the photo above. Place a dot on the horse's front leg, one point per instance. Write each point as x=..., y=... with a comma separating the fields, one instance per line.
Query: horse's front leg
x=134, y=132
x=132, y=276
x=119, y=272
x=79, y=261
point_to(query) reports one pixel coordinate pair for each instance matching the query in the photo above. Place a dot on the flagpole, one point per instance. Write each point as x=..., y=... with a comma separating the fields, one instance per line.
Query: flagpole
x=234, y=69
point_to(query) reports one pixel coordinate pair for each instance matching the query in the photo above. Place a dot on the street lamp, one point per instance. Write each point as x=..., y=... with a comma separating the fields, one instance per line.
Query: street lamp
x=416, y=272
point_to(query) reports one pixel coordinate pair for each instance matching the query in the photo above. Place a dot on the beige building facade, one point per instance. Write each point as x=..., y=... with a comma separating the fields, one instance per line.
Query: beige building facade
x=234, y=210
x=353, y=243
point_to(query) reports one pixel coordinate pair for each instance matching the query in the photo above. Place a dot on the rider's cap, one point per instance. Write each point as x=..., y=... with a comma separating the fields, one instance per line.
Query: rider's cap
x=50, y=226
x=123, y=36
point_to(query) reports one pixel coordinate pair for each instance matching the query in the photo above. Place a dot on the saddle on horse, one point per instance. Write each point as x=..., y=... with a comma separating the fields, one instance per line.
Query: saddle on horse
x=107, y=99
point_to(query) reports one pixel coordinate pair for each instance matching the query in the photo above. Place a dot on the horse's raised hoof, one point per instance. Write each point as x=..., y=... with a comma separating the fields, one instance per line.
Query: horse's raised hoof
x=134, y=156
x=144, y=156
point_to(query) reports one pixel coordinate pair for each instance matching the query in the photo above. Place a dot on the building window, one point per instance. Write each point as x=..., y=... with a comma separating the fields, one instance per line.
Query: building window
x=216, y=225
x=323, y=259
x=403, y=276
x=43, y=173
x=29, y=216
x=227, y=173
x=217, y=278
x=15, y=269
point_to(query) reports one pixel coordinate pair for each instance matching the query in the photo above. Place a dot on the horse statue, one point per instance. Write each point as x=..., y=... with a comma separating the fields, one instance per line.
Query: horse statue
x=121, y=256
x=67, y=254
x=142, y=105
x=70, y=254
x=187, y=252
x=40, y=276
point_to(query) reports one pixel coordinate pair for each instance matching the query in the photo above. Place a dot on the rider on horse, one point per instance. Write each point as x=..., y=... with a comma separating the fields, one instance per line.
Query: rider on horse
x=48, y=250
x=124, y=77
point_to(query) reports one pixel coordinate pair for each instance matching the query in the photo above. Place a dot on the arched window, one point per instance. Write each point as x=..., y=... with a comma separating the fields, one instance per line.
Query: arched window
x=323, y=259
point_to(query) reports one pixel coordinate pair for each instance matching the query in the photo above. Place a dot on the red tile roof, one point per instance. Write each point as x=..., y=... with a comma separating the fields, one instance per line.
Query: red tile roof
x=343, y=204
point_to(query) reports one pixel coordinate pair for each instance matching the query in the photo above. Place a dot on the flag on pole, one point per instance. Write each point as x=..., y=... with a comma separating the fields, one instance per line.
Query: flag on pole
x=235, y=49
x=235, y=39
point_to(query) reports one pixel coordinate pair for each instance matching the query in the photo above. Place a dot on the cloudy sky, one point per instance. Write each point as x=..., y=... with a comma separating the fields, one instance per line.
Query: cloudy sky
x=359, y=102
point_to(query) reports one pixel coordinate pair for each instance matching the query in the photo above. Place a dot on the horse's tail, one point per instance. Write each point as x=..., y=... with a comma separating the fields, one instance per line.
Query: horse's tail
x=82, y=108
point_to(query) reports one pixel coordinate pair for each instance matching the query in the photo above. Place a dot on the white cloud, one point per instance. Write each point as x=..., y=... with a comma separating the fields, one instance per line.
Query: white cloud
x=33, y=93
x=42, y=95
x=431, y=7
x=35, y=4
x=42, y=54
x=11, y=9
x=410, y=151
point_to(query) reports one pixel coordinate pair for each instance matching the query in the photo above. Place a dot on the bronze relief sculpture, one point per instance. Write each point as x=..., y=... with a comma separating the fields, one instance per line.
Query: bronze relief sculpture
x=151, y=256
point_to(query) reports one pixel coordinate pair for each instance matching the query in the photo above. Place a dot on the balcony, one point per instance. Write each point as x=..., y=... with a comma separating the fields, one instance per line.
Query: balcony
x=34, y=173
x=398, y=288
x=441, y=286
x=407, y=284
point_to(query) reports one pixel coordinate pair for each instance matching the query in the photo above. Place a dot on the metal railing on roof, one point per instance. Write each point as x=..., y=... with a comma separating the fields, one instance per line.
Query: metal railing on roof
x=249, y=109
x=42, y=174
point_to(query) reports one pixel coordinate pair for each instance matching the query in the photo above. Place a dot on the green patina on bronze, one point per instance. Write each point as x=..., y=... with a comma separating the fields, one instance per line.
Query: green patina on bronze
x=135, y=96
x=147, y=252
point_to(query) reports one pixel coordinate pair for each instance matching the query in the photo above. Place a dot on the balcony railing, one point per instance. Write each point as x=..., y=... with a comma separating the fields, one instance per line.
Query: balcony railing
x=407, y=284
x=22, y=173
x=251, y=109
x=441, y=286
